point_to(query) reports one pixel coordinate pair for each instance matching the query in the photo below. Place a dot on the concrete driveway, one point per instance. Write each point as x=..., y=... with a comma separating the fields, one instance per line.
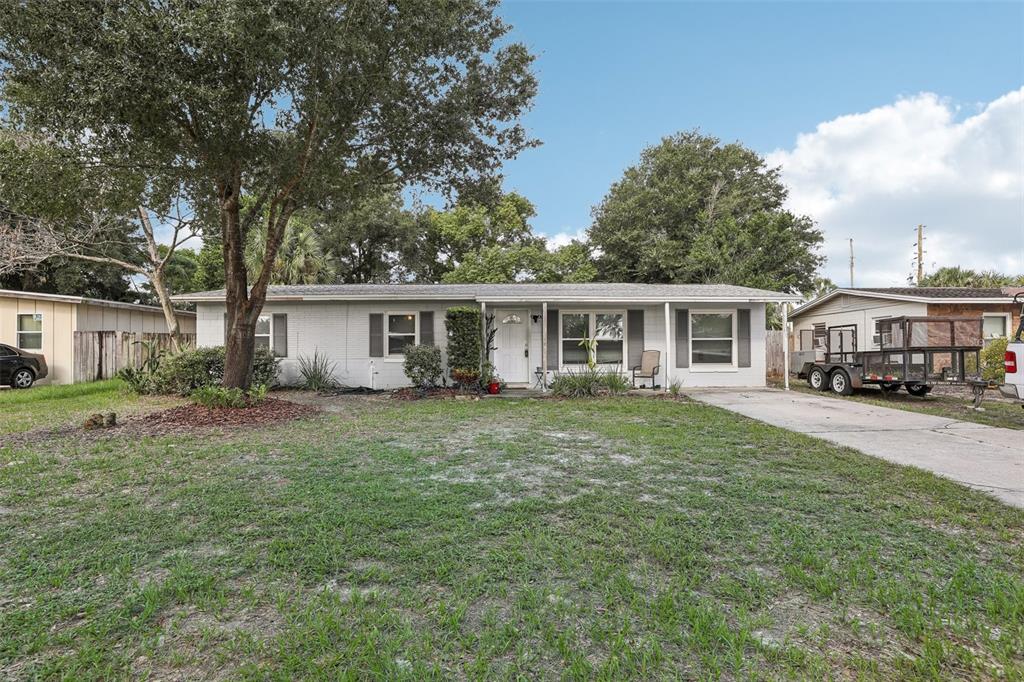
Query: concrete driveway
x=983, y=457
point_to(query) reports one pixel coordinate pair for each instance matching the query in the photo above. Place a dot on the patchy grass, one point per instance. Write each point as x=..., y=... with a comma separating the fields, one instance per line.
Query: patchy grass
x=49, y=406
x=996, y=412
x=612, y=539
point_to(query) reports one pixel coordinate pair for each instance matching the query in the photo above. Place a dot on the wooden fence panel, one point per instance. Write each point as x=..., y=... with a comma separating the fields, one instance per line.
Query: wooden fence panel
x=101, y=355
x=774, y=357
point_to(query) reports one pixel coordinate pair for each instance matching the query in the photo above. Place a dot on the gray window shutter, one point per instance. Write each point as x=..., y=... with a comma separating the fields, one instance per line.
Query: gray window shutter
x=553, y=339
x=280, y=323
x=743, y=337
x=635, y=339
x=427, y=328
x=376, y=335
x=682, y=338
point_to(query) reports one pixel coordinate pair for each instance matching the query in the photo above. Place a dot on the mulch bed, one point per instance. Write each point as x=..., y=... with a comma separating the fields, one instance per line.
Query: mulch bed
x=173, y=421
x=417, y=394
x=269, y=411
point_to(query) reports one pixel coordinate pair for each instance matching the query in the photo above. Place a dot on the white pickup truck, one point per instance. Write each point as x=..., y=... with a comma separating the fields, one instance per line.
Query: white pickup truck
x=1014, y=362
x=1014, y=358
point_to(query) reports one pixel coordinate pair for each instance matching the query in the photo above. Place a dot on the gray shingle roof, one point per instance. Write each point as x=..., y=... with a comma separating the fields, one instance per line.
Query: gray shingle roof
x=935, y=292
x=525, y=292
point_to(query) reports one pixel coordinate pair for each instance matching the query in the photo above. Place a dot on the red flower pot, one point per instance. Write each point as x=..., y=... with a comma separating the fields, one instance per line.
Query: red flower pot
x=493, y=388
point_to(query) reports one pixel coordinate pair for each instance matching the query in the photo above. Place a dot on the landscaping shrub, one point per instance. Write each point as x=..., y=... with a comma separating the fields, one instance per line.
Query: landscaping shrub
x=589, y=382
x=466, y=377
x=423, y=366
x=464, y=343
x=195, y=368
x=317, y=372
x=992, y=357
x=218, y=396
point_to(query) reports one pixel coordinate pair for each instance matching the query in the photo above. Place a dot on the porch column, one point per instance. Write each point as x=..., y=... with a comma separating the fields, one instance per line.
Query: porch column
x=785, y=346
x=669, y=360
x=544, y=345
x=485, y=356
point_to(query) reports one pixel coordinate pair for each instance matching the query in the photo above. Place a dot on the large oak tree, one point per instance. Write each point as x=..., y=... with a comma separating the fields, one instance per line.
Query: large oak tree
x=696, y=210
x=286, y=103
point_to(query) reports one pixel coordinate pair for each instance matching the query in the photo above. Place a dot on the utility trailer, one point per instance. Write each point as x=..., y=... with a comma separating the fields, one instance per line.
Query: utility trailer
x=915, y=353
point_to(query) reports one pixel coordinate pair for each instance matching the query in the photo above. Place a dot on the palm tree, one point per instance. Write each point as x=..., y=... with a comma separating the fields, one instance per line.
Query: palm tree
x=301, y=258
x=956, y=276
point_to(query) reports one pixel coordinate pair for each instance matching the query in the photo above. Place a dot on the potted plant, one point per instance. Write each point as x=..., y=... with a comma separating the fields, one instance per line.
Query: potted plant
x=489, y=379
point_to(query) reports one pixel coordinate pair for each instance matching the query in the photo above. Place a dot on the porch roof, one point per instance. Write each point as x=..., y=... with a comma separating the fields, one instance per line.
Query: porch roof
x=591, y=292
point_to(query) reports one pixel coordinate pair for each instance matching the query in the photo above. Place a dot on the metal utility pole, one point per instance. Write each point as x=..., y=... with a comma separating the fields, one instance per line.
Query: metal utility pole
x=920, y=254
x=851, y=262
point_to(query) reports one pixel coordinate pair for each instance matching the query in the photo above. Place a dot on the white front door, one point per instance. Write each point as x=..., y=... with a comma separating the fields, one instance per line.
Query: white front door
x=512, y=343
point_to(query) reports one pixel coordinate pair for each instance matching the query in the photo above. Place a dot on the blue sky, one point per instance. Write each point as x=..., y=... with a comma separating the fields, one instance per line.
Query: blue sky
x=617, y=76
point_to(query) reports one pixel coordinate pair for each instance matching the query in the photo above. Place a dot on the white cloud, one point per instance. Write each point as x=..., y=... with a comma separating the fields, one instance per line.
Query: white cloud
x=874, y=176
x=560, y=239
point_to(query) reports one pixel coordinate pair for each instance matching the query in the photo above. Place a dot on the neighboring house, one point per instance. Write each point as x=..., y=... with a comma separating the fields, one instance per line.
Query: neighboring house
x=708, y=335
x=48, y=323
x=860, y=310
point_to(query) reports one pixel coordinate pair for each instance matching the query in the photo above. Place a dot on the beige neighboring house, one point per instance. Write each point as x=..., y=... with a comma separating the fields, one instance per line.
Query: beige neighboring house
x=860, y=310
x=47, y=324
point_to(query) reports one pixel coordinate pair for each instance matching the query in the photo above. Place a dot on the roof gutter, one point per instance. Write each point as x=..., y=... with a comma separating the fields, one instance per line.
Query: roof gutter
x=514, y=299
x=895, y=297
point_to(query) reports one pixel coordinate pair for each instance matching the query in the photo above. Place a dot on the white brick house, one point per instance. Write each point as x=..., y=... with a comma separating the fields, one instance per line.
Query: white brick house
x=707, y=335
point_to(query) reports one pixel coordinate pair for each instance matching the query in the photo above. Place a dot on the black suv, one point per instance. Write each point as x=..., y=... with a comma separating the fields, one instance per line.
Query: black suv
x=20, y=368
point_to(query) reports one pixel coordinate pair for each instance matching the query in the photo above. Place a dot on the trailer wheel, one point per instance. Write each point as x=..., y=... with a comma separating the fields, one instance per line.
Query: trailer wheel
x=891, y=388
x=840, y=382
x=919, y=390
x=817, y=379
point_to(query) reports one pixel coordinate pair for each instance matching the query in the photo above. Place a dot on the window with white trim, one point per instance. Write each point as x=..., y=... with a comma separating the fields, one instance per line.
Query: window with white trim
x=402, y=330
x=712, y=339
x=606, y=328
x=30, y=331
x=994, y=326
x=609, y=333
x=264, y=331
x=575, y=330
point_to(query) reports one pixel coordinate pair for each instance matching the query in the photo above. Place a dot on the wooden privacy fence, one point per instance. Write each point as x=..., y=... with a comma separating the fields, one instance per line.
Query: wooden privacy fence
x=101, y=355
x=774, y=359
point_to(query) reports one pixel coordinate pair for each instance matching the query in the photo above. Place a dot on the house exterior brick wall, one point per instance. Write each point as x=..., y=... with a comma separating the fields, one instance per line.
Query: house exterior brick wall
x=968, y=309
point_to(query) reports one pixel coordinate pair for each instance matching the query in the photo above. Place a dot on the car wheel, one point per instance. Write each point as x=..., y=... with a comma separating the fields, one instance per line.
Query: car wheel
x=840, y=382
x=23, y=378
x=817, y=379
x=920, y=390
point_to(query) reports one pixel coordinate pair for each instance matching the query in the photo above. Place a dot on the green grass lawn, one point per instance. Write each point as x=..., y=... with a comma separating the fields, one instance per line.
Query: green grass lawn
x=500, y=539
x=995, y=413
x=41, y=406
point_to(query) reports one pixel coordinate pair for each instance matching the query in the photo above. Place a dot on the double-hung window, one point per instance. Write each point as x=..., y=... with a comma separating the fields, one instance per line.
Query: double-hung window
x=608, y=332
x=995, y=326
x=30, y=331
x=606, y=329
x=402, y=331
x=575, y=330
x=264, y=331
x=712, y=339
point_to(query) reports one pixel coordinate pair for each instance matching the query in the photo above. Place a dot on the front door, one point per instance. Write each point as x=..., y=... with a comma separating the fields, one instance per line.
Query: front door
x=512, y=345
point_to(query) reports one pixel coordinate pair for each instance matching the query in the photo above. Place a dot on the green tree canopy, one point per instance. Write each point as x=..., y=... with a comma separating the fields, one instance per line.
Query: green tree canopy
x=696, y=210
x=955, y=276
x=291, y=103
x=368, y=239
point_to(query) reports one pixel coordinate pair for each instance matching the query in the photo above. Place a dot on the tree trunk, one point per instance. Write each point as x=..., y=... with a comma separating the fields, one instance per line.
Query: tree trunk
x=240, y=342
x=156, y=278
x=244, y=304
